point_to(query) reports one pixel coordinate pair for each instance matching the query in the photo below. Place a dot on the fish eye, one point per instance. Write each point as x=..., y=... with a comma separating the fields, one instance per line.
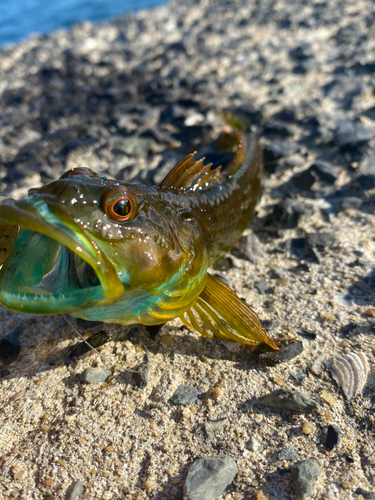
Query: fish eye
x=118, y=205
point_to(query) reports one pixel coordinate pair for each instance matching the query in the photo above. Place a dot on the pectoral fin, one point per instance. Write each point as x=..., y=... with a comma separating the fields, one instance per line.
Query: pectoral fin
x=221, y=313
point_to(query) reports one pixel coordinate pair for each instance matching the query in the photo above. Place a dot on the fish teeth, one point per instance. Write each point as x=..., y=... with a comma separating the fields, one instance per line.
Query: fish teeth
x=350, y=371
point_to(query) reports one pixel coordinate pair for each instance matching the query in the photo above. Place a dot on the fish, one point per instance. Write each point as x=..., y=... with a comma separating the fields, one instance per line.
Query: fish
x=110, y=251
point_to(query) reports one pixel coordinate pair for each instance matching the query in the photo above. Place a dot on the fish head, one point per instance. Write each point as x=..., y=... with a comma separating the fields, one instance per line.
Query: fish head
x=86, y=241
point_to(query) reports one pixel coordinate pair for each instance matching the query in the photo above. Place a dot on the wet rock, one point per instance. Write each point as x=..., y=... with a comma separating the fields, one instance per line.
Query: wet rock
x=288, y=453
x=287, y=353
x=185, y=395
x=207, y=478
x=75, y=490
x=333, y=434
x=285, y=399
x=304, y=475
x=95, y=375
x=10, y=346
x=141, y=375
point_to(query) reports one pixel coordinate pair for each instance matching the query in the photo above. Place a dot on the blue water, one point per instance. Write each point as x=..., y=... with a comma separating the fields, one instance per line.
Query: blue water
x=19, y=18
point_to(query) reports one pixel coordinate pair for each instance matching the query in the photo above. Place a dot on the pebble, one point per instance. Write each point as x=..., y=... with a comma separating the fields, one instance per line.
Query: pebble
x=185, y=395
x=253, y=445
x=285, y=399
x=96, y=340
x=249, y=248
x=207, y=478
x=367, y=495
x=325, y=171
x=75, y=490
x=287, y=353
x=333, y=434
x=141, y=375
x=304, y=475
x=308, y=428
x=10, y=346
x=288, y=453
x=95, y=375
x=328, y=397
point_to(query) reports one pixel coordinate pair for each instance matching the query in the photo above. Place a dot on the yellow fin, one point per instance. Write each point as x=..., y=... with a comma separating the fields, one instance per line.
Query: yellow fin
x=223, y=314
x=189, y=173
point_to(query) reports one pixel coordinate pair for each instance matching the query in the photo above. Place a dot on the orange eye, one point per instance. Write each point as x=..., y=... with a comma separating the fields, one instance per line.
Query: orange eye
x=118, y=205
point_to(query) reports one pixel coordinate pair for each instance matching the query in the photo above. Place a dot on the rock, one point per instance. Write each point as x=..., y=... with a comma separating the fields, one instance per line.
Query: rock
x=10, y=346
x=333, y=433
x=304, y=180
x=289, y=212
x=249, y=248
x=351, y=133
x=133, y=146
x=285, y=399
x=304, y=475
x=320, y=240
x=207, y=478
x=367, y=495
x=75, y=490
x=253, y=445
x=287, y=353
x=325, y=171
x=141, y=375
x=214, y=425
x=288, y=453
x=354, y=329
x=95, y=375
x=276, y=149
x=185, y=395
x=301, y=248
x=351, y=202
x=96, y=340
x=261, y=286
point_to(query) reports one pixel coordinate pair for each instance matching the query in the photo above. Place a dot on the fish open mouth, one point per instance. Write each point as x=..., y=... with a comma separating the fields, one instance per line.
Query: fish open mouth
x=53, y=267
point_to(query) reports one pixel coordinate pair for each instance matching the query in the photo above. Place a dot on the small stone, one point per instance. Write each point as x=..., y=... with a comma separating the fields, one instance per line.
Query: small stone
x=167, y=340
x=333, y=434
x=308, y=428
x=141, y=376
x=10, y=346
x=328, y=397
x=75, y=490
x=253, y=445
x=316, y=367
x=304, y=180
x=367, y=495
x=207, y=478
x=96, y=340
x=288, y=453
x=354, y=329
x=216, y=424
x=351, y=202
x=284, y=399
x=133, y=146
x=320, y=239
x=261, y=286
x=249, y=248
x=325, y=171
x=261, y=496
x=287, y=353
x=185, y=395
x=304, y=475
x=95, y=375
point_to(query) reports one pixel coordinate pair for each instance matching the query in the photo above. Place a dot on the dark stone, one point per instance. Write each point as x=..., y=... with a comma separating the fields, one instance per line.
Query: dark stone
x=351, y=133
x=299, y=377
x=141, y=375
x=185, y=395
x=304, y=180
x=4, y=373
x=325, y=171
x=367, y=495
x=289, y=212
x=333, y=433
x=351, y=202
x=277, y=128
x=96, y=340
x=366, y=181
x=153, y=330
x=307, y=335
x=354, y=329
x=284, y=399
x=208, y=478
x=302, y=250
x=133, y=335
x=224, y=264
x=304, y=475
x=10, y=346
x=287, y=353
x=261, y=286
x=276, y=149
x=288, y=453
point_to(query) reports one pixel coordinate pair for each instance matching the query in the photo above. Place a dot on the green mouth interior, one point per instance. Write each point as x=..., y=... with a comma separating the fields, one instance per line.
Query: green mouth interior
x=43, y=276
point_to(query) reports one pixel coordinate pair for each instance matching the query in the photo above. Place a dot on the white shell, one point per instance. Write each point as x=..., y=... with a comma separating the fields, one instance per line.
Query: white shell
x=350, y=372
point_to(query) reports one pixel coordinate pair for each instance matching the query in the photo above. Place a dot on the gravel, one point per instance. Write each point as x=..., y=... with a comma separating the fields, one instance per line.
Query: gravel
x=129, y=98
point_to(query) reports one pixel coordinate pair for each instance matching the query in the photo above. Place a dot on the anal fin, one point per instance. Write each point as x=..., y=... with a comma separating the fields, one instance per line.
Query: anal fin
x=221, y=313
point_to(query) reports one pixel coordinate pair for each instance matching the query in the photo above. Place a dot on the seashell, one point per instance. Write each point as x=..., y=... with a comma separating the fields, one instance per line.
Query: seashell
x=350, y=372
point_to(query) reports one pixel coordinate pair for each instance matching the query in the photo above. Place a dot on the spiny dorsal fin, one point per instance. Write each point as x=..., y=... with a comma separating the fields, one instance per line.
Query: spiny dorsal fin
x=221, y=313
x=191, y=173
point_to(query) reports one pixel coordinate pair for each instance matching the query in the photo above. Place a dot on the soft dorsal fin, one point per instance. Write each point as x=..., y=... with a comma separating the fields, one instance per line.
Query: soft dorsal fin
x=191, y=173
x=221, y=313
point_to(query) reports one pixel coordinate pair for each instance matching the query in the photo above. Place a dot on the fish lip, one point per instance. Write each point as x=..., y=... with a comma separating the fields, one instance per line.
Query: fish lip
x=35, y=214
